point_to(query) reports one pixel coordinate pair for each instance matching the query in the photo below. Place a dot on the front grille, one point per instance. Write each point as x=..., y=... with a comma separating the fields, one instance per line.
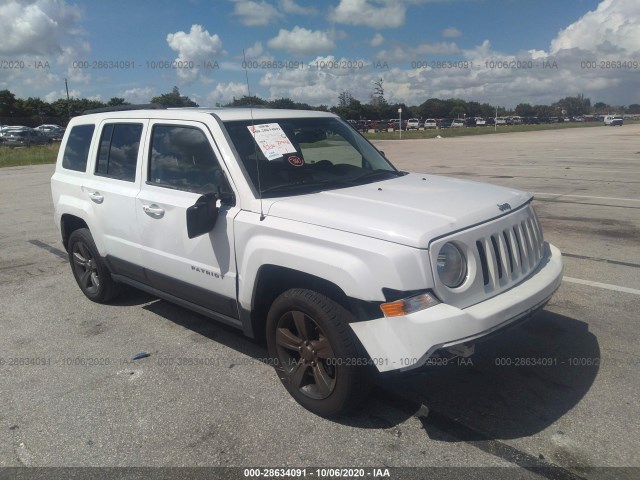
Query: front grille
x=500, y=254
x=511, y=253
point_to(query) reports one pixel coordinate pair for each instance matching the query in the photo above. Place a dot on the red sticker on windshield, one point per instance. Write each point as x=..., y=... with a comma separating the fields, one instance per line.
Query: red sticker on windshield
x=296, y=161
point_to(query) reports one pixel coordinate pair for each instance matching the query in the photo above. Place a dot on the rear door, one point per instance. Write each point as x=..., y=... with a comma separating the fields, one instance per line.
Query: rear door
x=181, y=164
x=112, y=189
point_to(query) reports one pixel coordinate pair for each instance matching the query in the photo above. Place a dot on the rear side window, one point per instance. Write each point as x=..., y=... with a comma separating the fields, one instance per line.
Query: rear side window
x=118, y=153
x=76, y=152
x=182, y=158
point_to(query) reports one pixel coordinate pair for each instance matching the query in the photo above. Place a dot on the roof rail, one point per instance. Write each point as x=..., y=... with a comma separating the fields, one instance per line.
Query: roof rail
x=123, y=108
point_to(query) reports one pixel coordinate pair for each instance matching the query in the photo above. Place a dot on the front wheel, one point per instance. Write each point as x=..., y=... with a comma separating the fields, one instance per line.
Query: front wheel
x=315, y=353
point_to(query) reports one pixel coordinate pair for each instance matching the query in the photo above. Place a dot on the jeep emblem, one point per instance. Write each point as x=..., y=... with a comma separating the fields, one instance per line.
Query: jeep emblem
x=503, y=207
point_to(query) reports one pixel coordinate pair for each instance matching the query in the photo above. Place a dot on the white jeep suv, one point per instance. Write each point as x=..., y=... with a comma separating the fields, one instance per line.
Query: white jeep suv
x=290, y=225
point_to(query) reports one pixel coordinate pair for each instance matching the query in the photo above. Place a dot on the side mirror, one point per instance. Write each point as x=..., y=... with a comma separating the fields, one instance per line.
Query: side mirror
x=202, y=216
x=382, y=153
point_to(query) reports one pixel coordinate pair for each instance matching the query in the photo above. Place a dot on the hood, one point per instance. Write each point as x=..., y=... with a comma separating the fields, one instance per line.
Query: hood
x=411, y=210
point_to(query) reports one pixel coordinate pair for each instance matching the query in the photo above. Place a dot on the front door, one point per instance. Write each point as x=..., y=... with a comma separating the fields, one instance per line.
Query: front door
x=180, y=166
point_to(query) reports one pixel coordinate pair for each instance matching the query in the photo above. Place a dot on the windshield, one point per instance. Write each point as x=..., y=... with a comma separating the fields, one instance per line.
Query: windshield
x=294, y=156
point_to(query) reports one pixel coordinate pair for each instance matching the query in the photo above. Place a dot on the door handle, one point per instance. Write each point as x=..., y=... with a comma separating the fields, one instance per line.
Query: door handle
x=153, y=210
x=96, y=197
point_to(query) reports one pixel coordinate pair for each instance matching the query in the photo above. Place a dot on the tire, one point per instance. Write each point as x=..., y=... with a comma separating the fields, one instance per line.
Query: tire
x=316, y=355
x=91, y=274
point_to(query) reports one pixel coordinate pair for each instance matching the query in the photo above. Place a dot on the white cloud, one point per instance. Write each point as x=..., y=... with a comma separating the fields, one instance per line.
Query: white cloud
x=255, y=51
x=137, y=95
x=615, y=23
x=255, y=13
x=32, y=27
x=41, y=32
x=301, y=41
x=371, y=13
x=61, y=94
x=417, y=53
x=290, y=6
x=226, y=92
x=196, y=43
x=377, y=40
x=451, y=32
x=196, y=46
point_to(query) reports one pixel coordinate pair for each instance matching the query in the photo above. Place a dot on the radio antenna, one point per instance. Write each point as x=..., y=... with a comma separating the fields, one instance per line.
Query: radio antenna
x=253, y=134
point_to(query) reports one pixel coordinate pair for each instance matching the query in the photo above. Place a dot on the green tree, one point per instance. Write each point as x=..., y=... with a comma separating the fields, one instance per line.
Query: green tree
x=115, y=101
x=457, y=111
x=525, y=110
x=354, y=110
x=574, y=105
x=344, y=99
x=634, y=109
x=247, y=101
x=174, y=99
x=283, y=103
x=543, y=111
x=377, y=97
x=7, y=103
x=432, y=108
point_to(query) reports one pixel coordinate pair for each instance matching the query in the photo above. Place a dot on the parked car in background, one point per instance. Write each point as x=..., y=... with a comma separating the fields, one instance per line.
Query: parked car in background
x=48, y=127
x=25, y=138
x=55, y=134
x=613, y=120
x=361, y=125
x=374, y=125
x=413, y=124
x=501, y=121
x=9, y=128
x=480, y=122
x=393, y=124
x=458, y=122
x=430, y=123
x=490, y=121
x=445, y=123
x=470, y=122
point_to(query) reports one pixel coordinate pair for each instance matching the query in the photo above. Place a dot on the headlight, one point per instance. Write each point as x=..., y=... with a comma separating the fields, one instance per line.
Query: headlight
x=452, y=266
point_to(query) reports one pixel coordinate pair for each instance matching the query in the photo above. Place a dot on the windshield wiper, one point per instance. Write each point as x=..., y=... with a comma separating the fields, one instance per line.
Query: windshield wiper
x=376, y=173
x=311, y=186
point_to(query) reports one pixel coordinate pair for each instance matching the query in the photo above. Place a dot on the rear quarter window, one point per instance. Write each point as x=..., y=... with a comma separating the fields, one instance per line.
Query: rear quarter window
x=76, y=151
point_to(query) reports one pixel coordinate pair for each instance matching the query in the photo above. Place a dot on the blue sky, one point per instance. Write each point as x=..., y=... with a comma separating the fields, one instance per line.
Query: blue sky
x=336, y=45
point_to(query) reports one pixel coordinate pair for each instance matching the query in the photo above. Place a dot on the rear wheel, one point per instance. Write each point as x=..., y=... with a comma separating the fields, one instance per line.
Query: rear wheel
x=315, y=353
x=91, y=274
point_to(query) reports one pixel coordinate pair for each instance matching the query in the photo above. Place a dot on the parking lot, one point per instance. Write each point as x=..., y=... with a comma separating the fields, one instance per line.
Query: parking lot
x=561, y=390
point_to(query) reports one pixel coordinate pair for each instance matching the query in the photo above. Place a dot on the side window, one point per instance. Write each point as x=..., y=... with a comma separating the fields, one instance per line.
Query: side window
x=118, y=152
x=76, y=152
x=182, y=158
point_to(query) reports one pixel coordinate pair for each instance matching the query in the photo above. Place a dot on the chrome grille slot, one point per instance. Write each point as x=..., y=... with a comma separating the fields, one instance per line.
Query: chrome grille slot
x=507, y=255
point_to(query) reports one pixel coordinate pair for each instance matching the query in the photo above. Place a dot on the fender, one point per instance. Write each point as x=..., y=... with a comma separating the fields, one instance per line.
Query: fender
x=360, y=266
x=72, y=204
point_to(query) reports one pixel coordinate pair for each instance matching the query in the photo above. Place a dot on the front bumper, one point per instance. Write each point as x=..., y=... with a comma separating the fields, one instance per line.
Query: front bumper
x=407, y=342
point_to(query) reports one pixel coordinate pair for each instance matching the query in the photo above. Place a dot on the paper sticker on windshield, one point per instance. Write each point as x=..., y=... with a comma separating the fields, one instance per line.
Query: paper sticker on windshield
x=272, y=140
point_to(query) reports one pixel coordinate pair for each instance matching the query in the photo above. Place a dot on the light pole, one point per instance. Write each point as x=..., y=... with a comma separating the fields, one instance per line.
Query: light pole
x=66, y=86
x=400, y=112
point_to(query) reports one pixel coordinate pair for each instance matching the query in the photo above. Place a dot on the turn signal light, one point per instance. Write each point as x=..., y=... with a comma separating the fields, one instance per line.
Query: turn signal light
x=408, y=305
